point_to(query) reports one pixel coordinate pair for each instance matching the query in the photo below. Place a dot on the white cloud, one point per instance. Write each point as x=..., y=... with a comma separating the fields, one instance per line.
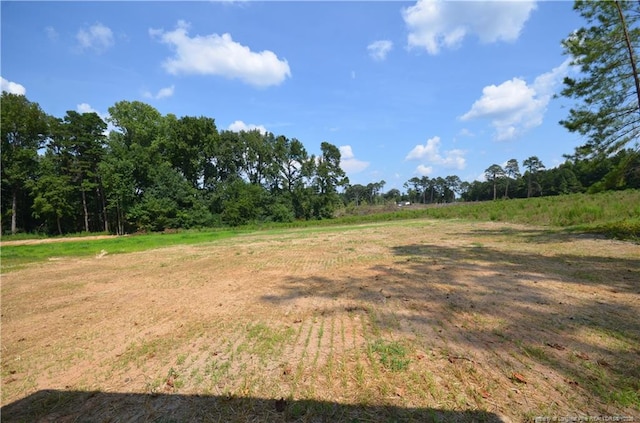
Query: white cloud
x=51, y=32
x=348, y=161
x=430, y=153
x=85, y=108
x=219, y=55
x=378, y=50
x=436, y=24
x=97, y=37
x=239, y=125
x=423, y=170
x=12, y=87
x=239, y=3
x=165, y=92
x=162, y=93
x=514, y=106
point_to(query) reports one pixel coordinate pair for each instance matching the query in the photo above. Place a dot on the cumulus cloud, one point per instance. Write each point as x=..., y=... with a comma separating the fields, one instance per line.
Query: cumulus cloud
x=239, y=125
x=348, y=161
x=85, y=108
x=97, y=37
x=162, y=93
x=437, y=24
x=514, y=106
x=378, y=50
x=219, y=55
x=12, y=87
x=423, y=170
x=430, y=154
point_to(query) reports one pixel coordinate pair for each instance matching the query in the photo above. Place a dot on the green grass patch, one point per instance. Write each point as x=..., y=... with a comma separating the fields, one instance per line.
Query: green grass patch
x=21, y=236
x=15, y=256
x=615, y=214
x=627, y=397
x=267, y=341
x=392, y=354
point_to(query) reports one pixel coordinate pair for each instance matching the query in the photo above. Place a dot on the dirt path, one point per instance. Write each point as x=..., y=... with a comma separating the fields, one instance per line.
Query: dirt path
x=483, y=322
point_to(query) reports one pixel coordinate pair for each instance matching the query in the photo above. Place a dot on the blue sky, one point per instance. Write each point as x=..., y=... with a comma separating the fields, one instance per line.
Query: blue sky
x=403, y=88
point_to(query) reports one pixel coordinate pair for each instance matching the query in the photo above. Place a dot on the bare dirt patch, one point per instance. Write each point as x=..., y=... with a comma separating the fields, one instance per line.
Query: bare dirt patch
x=53, y=240
x=491, y=322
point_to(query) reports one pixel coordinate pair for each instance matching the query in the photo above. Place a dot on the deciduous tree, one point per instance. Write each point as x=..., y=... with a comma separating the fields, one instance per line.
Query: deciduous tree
x=24, y=129
x=328, y=177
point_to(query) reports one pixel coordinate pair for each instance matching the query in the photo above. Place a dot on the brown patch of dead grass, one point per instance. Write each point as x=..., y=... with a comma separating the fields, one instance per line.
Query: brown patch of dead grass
x=497, y=318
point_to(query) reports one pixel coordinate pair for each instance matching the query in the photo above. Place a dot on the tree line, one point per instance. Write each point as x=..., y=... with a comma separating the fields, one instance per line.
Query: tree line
x=617, y=172
x=153, y=172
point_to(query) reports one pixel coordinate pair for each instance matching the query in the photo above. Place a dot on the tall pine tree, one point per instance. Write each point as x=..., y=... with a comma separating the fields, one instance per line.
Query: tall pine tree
x=608, y=87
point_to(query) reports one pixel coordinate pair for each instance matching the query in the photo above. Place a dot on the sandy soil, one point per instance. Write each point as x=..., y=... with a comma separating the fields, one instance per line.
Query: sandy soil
x=512, y=321
x=52, y=240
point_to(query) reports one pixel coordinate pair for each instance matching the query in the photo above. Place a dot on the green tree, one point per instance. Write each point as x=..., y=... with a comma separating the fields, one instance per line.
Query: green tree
x=117, y=176
x=226, y=162
x=494, y=173
x=189, y=144
x=134, y=154
x=82, y=138
x=416, y=187
x=259, y=155
x=511, y=171
x=393, y=194
x=355, y=193
x=464, y=189
x=53, y=190
x=533, y=165
x=140, y=127
x=560, y=180
x=477, y=191
x=328, y=177
x=373, y=190
x=24, y=129
x=171, y=202
x=304, y=191
x=438, y=189
x=293, y=156
x=453, y=186
x=242, y=202
x=608, y=87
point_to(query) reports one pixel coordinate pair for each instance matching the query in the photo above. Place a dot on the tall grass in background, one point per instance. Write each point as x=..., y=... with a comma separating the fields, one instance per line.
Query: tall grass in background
x=612, y=213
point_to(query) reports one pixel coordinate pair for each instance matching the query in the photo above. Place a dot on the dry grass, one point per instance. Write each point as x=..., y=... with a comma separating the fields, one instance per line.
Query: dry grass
x=423, y=320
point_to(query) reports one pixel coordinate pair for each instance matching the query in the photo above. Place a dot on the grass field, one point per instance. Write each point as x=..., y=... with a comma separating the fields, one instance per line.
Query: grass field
x=615, y=214
x=402, y=320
